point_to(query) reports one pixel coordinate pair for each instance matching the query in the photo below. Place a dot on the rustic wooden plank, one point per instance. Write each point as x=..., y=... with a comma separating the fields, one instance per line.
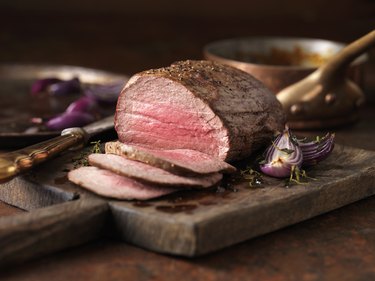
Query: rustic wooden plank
x=214, y=221
x=27, y=194
x=44, y=186
x=61, y=215
x=7, y=210
x=193, y=223
x=43, y=231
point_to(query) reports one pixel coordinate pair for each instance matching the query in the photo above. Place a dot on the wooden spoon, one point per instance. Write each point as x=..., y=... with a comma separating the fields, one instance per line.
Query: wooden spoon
x=326, y=98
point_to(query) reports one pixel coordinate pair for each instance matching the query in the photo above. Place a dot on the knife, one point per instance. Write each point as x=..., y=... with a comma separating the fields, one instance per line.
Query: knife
x=19, y=161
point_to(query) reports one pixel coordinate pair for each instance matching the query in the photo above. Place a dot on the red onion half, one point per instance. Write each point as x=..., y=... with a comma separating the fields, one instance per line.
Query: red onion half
x=65, y=87
x=83, y=104
x=70, y=119
x=287, y=154
x=107, y=93
x=317, y=150
x=282, y=156
x=85, y=109
x=79, y=113
x=41, y=85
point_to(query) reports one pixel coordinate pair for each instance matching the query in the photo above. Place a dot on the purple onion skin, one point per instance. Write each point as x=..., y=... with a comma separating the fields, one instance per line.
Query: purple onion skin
x=65, y=87
x=274, y=171
x=105, y=93
x=70, y=119
x=84, y=110
x=41, y=85
x=83, y=104
x=316, y=151
x=279, y=163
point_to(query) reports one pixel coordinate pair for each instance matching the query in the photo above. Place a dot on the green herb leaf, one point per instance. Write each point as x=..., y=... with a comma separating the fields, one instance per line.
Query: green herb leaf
x=82, y=159
x=96, y=147
x=287, y=151
x=297, y=176
x=254, y=177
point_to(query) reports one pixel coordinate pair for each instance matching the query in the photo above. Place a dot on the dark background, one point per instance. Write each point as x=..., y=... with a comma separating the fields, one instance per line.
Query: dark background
x=129, y=36
x=126, y=37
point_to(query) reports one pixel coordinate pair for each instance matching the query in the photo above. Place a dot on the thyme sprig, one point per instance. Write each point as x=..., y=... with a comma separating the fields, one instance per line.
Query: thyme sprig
x=297, y=176
x=254, y=177
x=82, y=159
x=96, y=147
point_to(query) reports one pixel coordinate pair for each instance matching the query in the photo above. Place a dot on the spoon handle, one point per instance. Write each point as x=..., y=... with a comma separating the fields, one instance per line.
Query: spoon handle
x=342, y=59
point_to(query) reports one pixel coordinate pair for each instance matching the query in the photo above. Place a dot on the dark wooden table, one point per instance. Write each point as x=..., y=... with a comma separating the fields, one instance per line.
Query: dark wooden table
x=339, y=245
x=336, y=246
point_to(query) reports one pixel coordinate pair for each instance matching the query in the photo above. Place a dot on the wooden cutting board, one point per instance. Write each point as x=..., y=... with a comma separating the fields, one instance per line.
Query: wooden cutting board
x=188, y=223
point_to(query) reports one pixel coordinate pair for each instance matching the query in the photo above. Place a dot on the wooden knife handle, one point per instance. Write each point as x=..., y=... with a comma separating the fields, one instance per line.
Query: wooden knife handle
x=16, y=162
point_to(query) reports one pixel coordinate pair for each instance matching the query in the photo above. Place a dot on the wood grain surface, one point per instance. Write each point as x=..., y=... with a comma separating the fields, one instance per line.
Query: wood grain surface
x=7, y=210
x=338, y=246
x=49, y=229
x=193, y=223
x=196, y=224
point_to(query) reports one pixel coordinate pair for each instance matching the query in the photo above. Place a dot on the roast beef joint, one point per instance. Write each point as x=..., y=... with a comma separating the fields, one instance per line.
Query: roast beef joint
x=178, y=127
x=199, y=105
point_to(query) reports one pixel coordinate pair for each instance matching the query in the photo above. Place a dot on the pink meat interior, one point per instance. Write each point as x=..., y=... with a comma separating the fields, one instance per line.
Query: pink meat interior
x=190, y=159
x=159, y=113
x=109, y=184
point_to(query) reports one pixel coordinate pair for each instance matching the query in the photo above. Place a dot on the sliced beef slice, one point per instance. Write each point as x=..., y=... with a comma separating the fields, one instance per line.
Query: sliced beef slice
x=109, y=184
x=146, y=173
x=177, y=161
x=198, y=105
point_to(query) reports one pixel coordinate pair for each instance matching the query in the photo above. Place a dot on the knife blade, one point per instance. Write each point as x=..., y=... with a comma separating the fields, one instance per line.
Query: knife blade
x=19, y=161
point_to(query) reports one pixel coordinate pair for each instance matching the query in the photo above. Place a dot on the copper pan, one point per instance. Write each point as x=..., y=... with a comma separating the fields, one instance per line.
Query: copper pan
x=279, y=61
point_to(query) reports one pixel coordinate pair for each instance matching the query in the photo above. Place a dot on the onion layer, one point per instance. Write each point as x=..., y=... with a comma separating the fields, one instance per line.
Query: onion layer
x=317, y=150
x=105, y=93
x=287, y=154
x=84, y=110
x=282, y=156
x=65, y=87
x=70, y=119
x=83, y=104
x=41, y=85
